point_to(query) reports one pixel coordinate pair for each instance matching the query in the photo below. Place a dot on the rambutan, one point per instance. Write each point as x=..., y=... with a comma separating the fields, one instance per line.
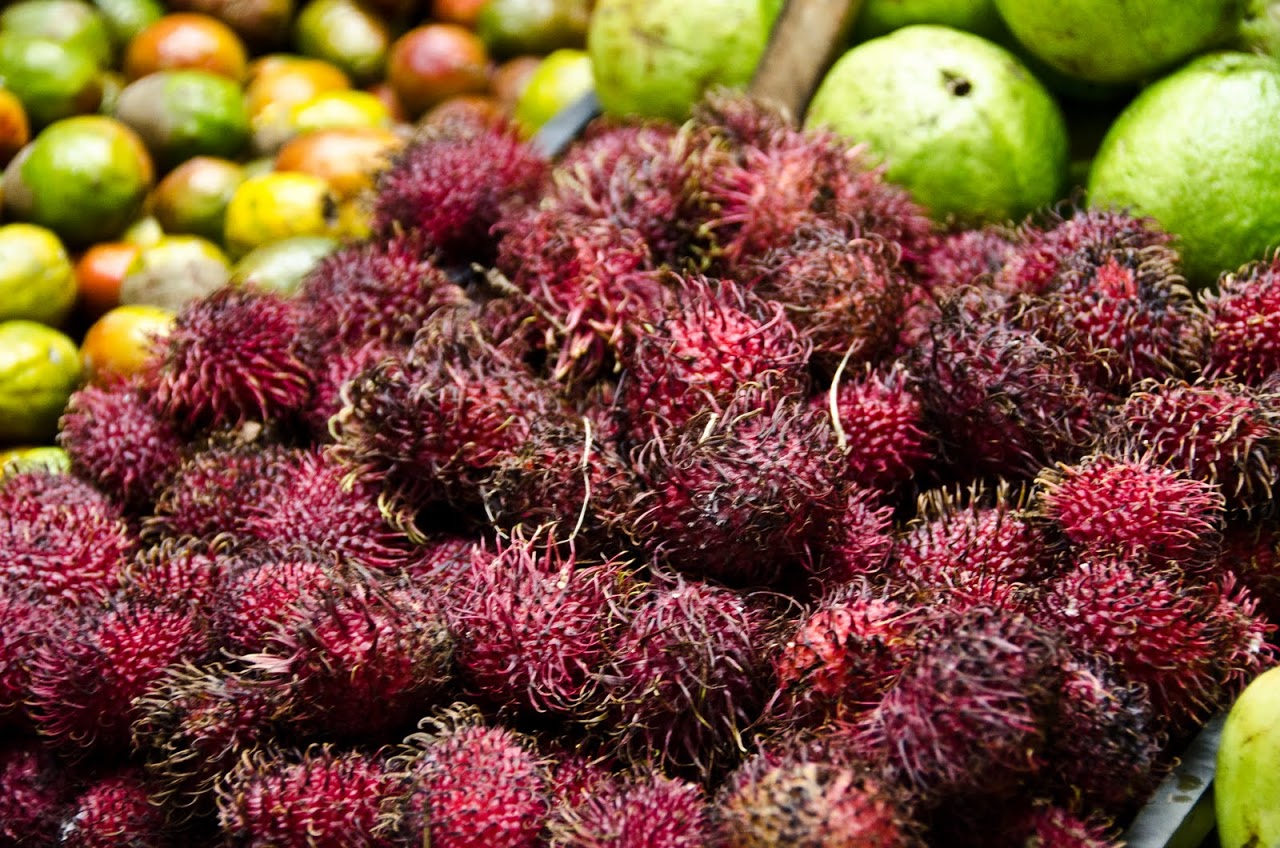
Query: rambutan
x=34, y=791
x=331, y=378
x=1218, y=431
x=263, y=590
x=83, y=683
x=321, y=503
x=1136, y=508
x=1243, y=316
x=638, y=813
x=29, y=493
x=880, y=414
x=441, y=560
x=450, y=187
x=684, y=677
x=715, y=339
x=22, y=620
x=1057, y=827
x=186, y=574
x=1252, y=552
x=232, y=357
x=115, y=810
x=810, y=804
x=117, y=439
x=317, y=798
x=860, y=540
x=969, y=715
x=532, y=624
x=466, y=785
x=738, y=495
x=195, y=722
x=964, y=258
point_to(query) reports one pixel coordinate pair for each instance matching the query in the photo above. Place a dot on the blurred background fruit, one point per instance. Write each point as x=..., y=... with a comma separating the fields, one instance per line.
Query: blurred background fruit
x=273, y=206
x=346, y=158
x=39, y=369
x=559, y=80
x=180, y=114
x=121, y=343
x=193, y=197
x=15, y=130
x=281, y=265
x=346, y=34
x=37, y=282
x=880, y=17
x=54, y=460
x=262, y=23
x=514, y=27
x=126, y=18
x=72, y=23
x=99, y=273
x=187, y=41
x=53, y=80
x=173, y=271
x=431, y=63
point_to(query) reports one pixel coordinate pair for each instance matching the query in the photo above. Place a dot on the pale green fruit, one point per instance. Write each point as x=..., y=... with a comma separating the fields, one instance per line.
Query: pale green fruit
x=881, y=17
x=1247, y=780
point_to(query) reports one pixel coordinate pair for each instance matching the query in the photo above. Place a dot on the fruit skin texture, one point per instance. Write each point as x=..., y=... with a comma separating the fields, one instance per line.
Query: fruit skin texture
x=34, y=790
x=1248, y=767
x=644, y=813
x=886, y=438
x=115, y=810
x=1244, y=323
x=1157, y=163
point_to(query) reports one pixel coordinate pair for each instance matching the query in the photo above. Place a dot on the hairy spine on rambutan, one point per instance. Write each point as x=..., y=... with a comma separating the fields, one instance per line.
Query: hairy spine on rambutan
x=232, y=357
x=644, y=812
x=264, y=590
x=739, y=494
x=22, y=620
x=117, y=439
x=859, y=543
x=35, y=788
x=116, y=810
x=28, y=493
x=964, y=258
x=1049, y=826
x=181, y=573
x=1244, y=314
x=1252, y=552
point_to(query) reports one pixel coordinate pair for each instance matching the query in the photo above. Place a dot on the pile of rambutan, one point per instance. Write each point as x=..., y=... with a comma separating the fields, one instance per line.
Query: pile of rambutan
x=691, y=489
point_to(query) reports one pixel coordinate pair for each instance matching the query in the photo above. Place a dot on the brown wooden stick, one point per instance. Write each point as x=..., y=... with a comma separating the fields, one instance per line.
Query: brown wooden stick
x=804, y=43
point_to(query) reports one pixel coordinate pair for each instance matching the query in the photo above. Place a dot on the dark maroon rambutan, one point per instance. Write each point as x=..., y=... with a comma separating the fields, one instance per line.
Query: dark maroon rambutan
x=331, y=378
x=84, y=681
x=859, y=542
x=320, y=503
x=715, y=339
x=532, y=624
x=232, y=357
x=441, y=561
x=1217, y=431
x=881, y=418
x=635, y=813
x=470, y=786
x=22, y=621
x=969, y=715
x=186, y=574
x=214, y=490
x=803, y=803
x=374, y=290
x=317, y=798
x=263, y=590
x=29, y=493
x=437, y=420
x=1136, y=508
x=1057, y=827
x=115, y=810
x=356, y=646
x=575, y=778
x=964, y=258
x=72, y=552
x=684, y=677
x=1244, y=314
x=116, y=439
x=34, y=791
x=841, y=657
x=1252, y=552
x=565, y=474
x=450, y=188
x=194, y=723
x=1100, y=718
x=738, y=495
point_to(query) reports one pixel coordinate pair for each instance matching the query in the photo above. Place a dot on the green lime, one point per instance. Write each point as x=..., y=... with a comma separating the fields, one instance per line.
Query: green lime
x=180, y=114
x=1108, y=42
x=52, y=80
x=193, y=197
x=1199, y=151
x=560, y=79
x=345, y=33
x=1260, y=27
x=276, y=206
x=958, y=120
x=520, y=27
x=39, y=370
x=52, y=460
x=83, y=177
x=881, y=17
x=70, y=22
x=126, y=18
x=37, y=282
x=174, y=271
x=282, y=265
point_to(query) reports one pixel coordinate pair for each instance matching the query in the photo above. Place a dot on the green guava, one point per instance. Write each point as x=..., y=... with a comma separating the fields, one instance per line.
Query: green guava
x=881, y=17
x=1260, y=27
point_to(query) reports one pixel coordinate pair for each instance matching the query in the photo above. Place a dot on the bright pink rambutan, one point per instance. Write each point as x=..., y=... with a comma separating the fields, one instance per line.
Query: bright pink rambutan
x=635, y=813
x=471, y=786
x=803, y=803
x=186, y=574
x=685, y=675
x=590, y=281
x=34, y=791
x=740, y=494
x=117, y=439
x=1217, y=431
x=115, y=810
x=450, y=188
x=859, y=542
x=1244, y=314
x=716, y=338
x=1136, y=508
x=317, y=798
x=970, y=713
x=532, y=624
x=232, y=357
x=886, y=440
x=840, y=658
x=574, y=777
x=321, y=503
x=30, y=493
x=263, y=590
x=441, y=560
x=195, y=722
x=84, y=682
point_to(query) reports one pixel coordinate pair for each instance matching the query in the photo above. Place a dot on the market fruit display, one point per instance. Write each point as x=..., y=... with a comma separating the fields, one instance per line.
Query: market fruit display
x=1244, y=784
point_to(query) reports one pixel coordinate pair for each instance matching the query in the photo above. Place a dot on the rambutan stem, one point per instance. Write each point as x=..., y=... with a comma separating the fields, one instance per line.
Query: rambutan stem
x=586, y=479
x=834, y=391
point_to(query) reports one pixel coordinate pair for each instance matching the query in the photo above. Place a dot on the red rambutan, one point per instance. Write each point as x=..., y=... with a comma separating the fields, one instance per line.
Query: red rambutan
x=331, y=378
x=317, y=798
x=860, y=540
x=186, y=574
x=1058, y=827
x=29, y=493
x=34, y=791
x=115, y=810
x=263, y=590
x=964, y=258
x=886, y=440
x=232, y=357
x=450, y=188
x=22, y=620
x=83, y=683
x=640, y=813
x=1252, y=552
x=117, y=439
x=1135, y=508
x=441, y=561
x=1243, y=316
